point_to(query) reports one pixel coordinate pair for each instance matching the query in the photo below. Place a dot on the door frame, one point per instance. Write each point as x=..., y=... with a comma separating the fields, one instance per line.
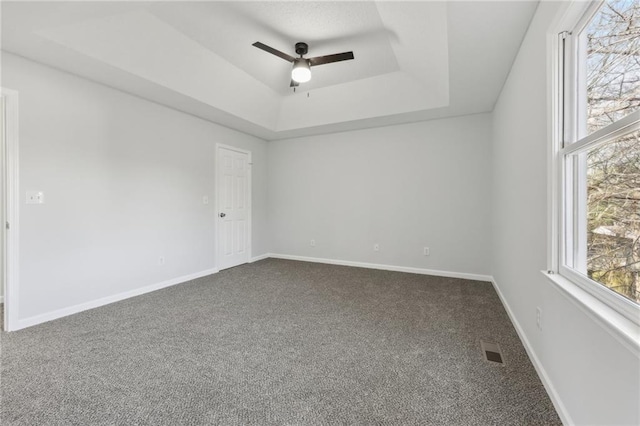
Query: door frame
x=11, y=201
x=218, y=203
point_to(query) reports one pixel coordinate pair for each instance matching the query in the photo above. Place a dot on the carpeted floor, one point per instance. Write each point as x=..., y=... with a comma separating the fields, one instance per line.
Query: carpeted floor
x=278, y=342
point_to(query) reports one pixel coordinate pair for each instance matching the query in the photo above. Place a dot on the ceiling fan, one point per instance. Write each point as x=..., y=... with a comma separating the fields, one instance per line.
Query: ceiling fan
x=301, y=72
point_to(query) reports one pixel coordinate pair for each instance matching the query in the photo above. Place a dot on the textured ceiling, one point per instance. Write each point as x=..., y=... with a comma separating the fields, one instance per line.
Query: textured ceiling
x=230, y=29
x=413, y=60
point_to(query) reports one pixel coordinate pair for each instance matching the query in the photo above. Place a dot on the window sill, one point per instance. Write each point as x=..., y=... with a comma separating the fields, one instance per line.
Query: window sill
x=620, y=327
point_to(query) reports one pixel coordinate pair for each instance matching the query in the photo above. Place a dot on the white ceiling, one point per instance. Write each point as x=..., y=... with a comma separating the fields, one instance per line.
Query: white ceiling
x=413, y=60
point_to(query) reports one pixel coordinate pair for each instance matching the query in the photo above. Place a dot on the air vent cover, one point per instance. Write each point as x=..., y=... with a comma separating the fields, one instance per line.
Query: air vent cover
x=492, y=352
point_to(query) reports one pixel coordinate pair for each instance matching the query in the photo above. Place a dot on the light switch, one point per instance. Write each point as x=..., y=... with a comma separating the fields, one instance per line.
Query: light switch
x=35, y=197
x=205, y=199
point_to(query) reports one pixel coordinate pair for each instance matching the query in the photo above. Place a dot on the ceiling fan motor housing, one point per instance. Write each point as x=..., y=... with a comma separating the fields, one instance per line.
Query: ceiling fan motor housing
x=302, y=48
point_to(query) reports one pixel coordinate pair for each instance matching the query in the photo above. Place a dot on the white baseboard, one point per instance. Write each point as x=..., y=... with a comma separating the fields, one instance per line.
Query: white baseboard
x=448, y=274
x=49, y=316
x=542, y=373
x=261, y=257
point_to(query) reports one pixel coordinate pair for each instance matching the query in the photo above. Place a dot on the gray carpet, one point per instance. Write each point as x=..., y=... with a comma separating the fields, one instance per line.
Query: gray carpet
x=278, y=342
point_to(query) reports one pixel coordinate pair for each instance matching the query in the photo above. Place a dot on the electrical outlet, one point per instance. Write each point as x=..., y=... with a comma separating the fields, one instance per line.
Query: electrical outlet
x=539, y=317
x=161, y=260
x=313, y=243
x=35, y=197
x=425, y=251
x=376, y=247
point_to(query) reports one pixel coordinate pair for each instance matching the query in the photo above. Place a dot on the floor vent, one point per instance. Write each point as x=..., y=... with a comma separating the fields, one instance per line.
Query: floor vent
x=492, y=352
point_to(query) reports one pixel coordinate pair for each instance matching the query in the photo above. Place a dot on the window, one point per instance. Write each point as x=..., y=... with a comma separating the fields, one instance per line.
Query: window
x=599, y=154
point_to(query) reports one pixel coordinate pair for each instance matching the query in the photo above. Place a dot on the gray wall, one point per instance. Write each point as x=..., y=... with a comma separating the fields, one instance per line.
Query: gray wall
x=595, y=377
x=123, y=180
x=403, y=187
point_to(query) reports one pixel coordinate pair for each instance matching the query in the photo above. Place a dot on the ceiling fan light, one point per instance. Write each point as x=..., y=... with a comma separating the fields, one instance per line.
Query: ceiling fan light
x=301, y=72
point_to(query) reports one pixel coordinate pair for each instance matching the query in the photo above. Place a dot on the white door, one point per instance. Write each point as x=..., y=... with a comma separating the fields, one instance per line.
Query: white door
x=234, y=207
x=2, y=208
x=9, y=206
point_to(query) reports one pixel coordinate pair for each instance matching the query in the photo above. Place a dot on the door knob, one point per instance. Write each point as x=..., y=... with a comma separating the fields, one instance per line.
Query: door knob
x=222, y=215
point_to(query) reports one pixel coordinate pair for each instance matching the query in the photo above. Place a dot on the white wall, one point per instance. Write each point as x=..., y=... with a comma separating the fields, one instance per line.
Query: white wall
x=123, y=180
x=596, y=378
x=403, y=187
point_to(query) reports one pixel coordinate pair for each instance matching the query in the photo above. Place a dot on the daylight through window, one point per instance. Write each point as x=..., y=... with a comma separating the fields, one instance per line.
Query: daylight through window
x=601, y=150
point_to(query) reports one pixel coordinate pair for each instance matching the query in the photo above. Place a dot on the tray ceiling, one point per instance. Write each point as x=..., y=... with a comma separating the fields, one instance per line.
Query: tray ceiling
x=413, y=60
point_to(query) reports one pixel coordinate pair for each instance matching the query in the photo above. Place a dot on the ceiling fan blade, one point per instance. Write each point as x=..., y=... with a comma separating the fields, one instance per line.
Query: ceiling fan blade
x=294, y=83
x=320, y=60
x=273, y=51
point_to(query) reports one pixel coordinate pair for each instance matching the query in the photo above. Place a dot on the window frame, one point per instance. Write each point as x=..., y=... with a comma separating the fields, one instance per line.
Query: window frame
x=568, y=143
